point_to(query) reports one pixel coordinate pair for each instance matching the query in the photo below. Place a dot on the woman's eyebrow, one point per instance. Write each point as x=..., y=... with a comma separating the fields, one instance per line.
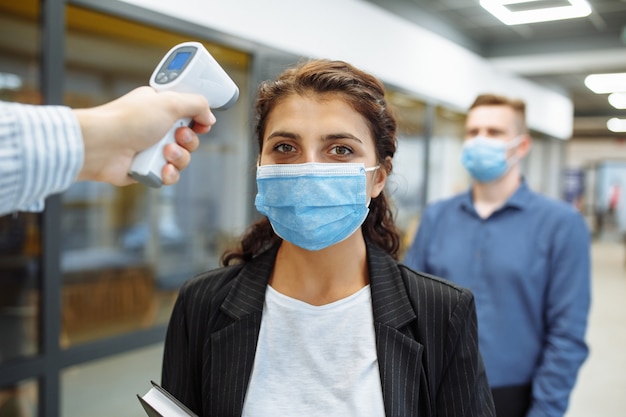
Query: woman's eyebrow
x=295, y=136
x=334, y=136
x=283, y=134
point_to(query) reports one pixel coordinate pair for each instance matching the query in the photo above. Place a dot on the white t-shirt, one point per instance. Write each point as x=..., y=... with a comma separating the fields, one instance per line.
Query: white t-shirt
x=315, y=360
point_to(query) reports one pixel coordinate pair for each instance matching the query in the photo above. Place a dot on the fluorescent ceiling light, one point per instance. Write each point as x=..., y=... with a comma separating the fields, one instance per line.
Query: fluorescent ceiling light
x=606, y=83
x=618, y=100
x=516, y=12
x=616, y=125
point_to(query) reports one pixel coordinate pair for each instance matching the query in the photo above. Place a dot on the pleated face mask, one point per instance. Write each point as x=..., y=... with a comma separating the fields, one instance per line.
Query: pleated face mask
x=485, y=158
x=313, y=205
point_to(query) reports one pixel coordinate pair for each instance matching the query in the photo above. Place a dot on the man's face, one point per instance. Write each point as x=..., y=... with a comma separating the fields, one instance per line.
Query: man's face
x=495, y=122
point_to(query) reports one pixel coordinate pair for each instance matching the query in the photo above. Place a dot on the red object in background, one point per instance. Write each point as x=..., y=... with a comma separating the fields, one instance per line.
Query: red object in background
x=613, y=197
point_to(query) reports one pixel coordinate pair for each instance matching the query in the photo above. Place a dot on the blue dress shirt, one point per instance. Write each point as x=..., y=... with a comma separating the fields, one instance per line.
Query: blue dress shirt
x=41, y=153
x=528, y=265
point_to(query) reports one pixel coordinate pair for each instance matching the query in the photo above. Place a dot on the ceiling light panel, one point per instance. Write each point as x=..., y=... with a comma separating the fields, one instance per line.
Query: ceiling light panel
x=616, y=125
x=618, y=100
x=607, y=83
x=516, y=12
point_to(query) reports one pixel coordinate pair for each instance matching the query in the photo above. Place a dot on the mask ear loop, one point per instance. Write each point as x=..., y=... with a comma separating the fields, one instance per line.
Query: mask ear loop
x=371, y=169
x=517, y=141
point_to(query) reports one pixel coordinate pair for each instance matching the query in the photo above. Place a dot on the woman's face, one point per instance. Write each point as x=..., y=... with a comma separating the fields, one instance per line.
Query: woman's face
x=325, y=128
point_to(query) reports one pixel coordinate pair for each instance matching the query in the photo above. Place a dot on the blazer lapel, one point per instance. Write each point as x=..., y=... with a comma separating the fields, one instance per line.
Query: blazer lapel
x=233, y=347
x=399, y=355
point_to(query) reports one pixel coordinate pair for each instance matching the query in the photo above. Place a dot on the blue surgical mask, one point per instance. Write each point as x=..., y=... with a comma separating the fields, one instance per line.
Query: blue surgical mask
x=485, y=158
x=313, y=205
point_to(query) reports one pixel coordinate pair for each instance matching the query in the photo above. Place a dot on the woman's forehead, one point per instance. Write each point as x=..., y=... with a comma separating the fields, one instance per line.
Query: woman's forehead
x=312, y=112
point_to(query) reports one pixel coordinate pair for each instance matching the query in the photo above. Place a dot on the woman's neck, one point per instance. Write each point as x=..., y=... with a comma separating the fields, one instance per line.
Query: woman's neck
x=324, y=276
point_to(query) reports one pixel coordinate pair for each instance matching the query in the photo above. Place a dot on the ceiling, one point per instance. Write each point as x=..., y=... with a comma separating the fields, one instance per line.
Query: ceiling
x=557, y=54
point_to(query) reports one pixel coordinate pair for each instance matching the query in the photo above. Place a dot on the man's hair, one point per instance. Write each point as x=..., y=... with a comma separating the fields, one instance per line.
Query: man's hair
x=518, y=106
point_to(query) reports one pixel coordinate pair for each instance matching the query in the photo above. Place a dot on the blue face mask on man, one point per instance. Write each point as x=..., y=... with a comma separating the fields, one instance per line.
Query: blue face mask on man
x=485, y=158
x=313, y=205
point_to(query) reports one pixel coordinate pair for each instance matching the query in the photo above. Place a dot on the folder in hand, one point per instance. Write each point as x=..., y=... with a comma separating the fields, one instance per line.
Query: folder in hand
x=159, y=403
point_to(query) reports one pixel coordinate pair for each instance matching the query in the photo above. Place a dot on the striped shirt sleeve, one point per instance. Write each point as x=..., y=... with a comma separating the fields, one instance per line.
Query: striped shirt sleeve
x=41, y=153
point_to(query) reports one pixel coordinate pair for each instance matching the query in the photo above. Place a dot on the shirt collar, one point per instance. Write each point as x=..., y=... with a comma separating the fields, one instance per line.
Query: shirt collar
x=520, y=198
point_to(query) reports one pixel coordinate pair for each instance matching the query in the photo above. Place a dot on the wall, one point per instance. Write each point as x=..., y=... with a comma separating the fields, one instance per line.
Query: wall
x=582, y=153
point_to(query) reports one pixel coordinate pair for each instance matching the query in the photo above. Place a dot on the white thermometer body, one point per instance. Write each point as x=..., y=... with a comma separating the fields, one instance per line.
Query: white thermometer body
x=186, y=68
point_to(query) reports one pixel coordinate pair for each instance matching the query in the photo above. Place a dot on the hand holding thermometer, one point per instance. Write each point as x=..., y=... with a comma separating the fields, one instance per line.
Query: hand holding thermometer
x=186, y=68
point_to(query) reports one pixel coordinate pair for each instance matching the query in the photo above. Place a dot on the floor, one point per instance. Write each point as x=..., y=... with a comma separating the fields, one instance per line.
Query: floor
x=601, y=387
x=108, y=387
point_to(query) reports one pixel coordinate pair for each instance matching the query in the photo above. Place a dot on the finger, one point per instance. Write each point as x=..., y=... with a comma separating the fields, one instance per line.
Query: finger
x=194, y=106
x=200, y=128
x=187, y=138
x=176, y=155
x=170, y=175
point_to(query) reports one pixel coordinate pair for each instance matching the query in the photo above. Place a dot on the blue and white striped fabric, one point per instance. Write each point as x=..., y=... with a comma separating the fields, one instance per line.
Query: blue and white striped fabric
x=41, y=153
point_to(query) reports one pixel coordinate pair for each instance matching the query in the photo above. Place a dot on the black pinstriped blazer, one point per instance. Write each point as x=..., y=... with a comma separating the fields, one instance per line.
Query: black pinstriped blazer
x=425, y=339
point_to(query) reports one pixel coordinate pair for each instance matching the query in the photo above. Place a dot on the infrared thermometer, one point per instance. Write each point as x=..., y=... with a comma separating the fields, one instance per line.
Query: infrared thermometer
x=186, y=68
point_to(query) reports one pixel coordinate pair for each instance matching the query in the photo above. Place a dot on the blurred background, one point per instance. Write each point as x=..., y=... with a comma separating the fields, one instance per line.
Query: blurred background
x=86, y=288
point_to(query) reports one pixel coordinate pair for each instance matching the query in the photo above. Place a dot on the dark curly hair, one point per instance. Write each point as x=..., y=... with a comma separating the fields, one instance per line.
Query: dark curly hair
x=366, y=94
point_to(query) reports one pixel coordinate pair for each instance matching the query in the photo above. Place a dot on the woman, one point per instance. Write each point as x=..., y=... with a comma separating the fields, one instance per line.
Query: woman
x=312, y=315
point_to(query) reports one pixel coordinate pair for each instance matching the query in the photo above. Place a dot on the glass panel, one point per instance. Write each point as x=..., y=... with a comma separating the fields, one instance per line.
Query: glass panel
x=446, y=174
x=126, y=251
x=406, y=184
x=19, y=233
x=19, y=400
x=610, y=200
x=108, y=387
x=542, y=165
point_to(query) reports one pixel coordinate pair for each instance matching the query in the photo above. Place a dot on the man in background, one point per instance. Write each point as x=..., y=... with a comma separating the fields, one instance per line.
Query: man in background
x=525, y=257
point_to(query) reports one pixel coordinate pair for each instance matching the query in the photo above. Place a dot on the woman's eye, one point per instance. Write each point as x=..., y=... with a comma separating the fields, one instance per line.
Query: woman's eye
x=341, y=150
x=284, y=147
